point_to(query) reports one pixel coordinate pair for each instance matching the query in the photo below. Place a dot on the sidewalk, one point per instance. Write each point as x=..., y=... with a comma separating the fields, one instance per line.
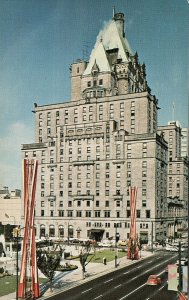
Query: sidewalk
x=67, y=280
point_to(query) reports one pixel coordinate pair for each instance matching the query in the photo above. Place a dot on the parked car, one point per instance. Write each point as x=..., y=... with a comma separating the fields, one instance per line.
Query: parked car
x=122, y=243
x=171, y=248
x=153, y=280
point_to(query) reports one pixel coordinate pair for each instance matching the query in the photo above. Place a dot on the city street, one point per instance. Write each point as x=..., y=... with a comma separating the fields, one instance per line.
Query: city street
x=127, y=283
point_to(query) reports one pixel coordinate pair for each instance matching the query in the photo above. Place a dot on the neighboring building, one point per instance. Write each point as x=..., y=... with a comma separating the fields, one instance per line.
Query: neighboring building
x=184, y=142
x=93, y=148
x=10, y=207
x=177, y=180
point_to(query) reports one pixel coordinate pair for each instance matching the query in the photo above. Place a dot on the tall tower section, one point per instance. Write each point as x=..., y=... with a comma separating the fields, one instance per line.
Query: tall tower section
x=113, y=71
x=77, y=70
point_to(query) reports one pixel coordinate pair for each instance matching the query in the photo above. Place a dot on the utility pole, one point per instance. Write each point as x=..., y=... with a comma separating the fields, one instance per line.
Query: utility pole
x=115, y=245
x=152, y=236
x=180, y=271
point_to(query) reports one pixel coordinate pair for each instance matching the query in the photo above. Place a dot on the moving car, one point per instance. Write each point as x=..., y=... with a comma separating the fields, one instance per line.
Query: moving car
x=153, y=280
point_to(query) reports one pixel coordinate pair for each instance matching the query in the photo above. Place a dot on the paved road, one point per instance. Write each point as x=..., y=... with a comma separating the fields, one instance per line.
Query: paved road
x=127, y=283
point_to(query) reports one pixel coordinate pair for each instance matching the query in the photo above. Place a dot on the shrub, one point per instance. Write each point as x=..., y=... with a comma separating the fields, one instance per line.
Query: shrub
x=1, y=270
x=67, y=267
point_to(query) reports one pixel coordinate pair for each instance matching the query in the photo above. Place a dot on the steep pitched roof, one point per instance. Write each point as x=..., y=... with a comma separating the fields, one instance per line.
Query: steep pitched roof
x=109, y=38
x=98, y=56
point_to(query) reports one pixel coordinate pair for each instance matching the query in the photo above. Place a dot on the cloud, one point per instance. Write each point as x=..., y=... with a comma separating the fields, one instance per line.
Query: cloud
x=10, y=153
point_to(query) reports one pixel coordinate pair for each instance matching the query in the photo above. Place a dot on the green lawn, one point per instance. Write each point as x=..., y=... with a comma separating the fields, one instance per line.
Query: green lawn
x=8, y=285
x=108, y=254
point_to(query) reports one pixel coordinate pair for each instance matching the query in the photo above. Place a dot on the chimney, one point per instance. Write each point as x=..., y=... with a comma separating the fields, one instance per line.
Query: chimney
x=119, y=19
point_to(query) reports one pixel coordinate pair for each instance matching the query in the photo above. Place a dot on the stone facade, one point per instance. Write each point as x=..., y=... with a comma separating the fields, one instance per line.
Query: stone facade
x=93, y=148
x=177, y=178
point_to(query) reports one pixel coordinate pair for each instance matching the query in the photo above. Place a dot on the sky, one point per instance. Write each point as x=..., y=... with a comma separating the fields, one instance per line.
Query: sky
x=40, y=39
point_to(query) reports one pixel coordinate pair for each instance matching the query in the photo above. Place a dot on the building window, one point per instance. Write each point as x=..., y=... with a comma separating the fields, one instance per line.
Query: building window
x=147, y=213
x=97, y=167
x=128, y=213
x=107, y=214
x=118, y=192
x=107, y=203
x=70, y=213
x=42, y=213
x=88, y=214
x=118, y=203
x=107, y=192
x=97, y=203
x=100, y=82
x=97, y=148
x=61, y=213
x=78, y=213
x=97, y=214
x=121, y=114
x=69, y=203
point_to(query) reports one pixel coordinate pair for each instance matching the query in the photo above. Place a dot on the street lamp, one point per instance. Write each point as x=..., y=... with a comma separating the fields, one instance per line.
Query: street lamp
x=17, y=231
x=116, y=240
x=69, y=232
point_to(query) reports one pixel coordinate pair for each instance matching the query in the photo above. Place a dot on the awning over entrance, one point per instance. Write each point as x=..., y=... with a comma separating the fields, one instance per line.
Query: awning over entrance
x=96, y=230
x=96, y=234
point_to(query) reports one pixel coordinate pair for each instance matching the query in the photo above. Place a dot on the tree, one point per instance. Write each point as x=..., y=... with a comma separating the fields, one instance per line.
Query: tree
x=86, y=250
x=48, y=261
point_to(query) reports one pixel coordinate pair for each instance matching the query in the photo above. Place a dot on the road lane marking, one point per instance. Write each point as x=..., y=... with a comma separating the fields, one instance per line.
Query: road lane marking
x=98, y=297
x=108, y=280
x=86, y=291
x=127, y=272
x=149, y=262
x=132, y=292
x=115, y=287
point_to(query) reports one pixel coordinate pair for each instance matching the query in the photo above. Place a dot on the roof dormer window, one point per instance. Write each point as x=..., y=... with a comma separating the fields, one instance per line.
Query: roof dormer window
x=95, y=69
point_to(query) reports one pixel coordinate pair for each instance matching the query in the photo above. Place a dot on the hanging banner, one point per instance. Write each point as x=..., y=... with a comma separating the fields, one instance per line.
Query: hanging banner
x=185, y=279
x=172, y=278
